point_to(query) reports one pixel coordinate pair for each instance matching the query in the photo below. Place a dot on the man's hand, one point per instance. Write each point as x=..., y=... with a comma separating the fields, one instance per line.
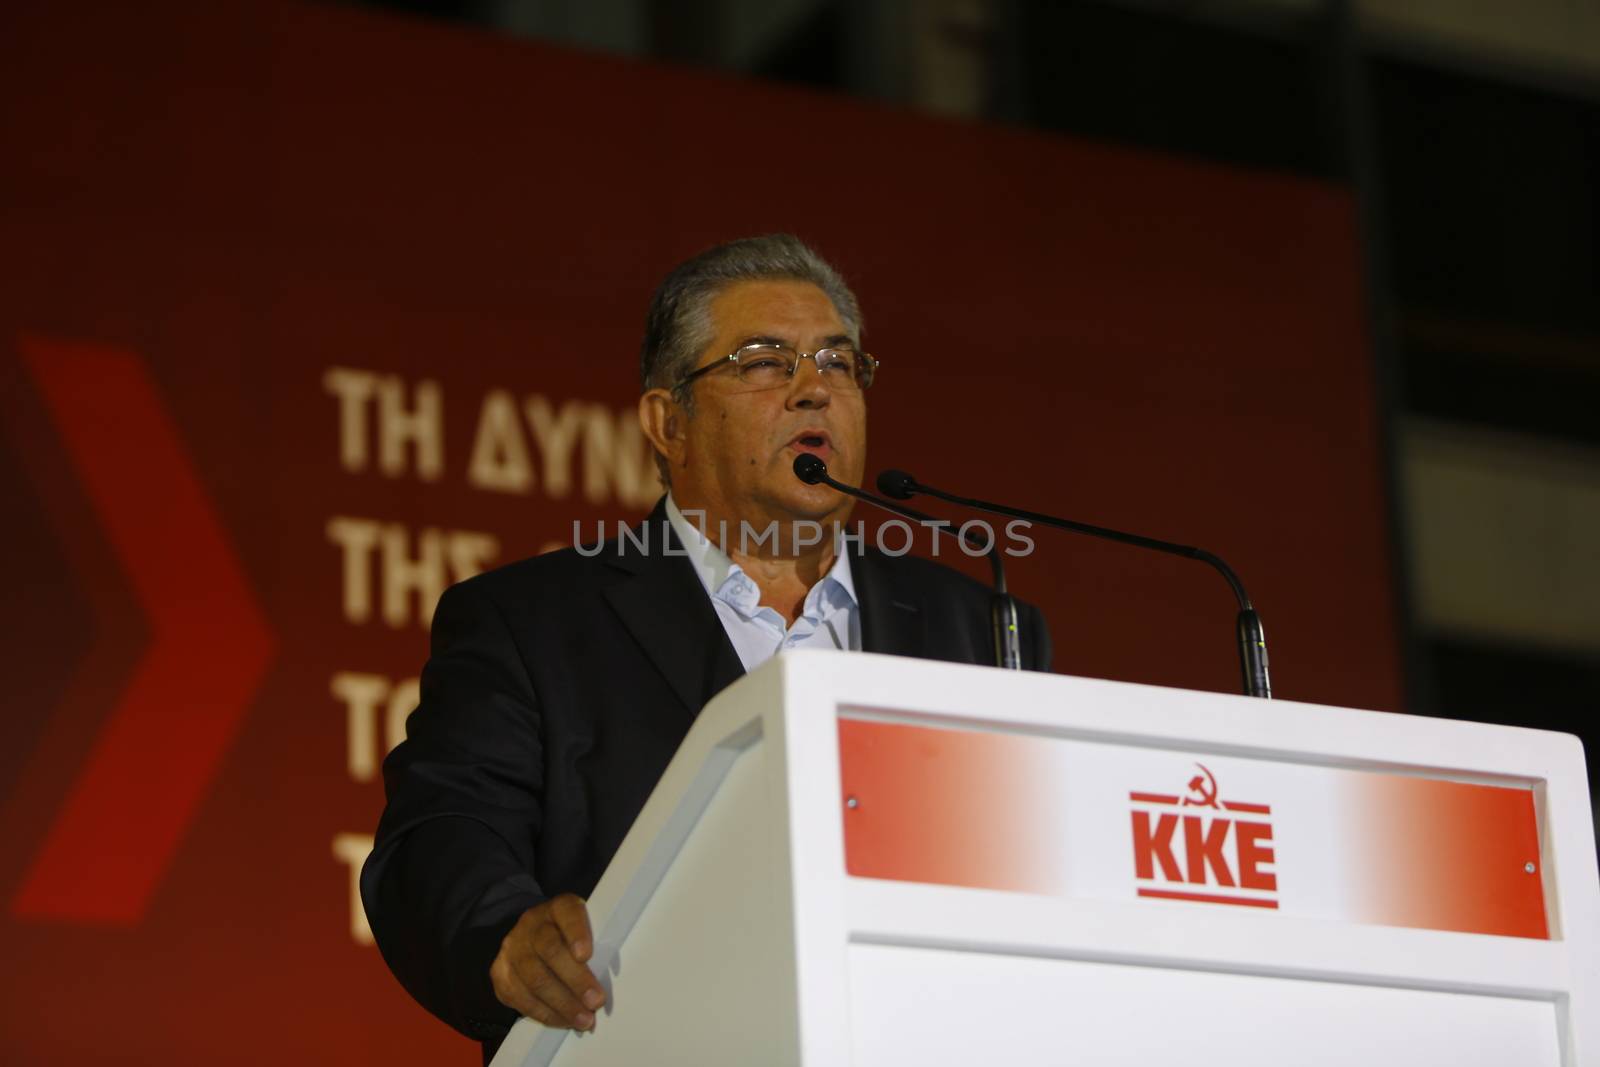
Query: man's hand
x=541, y=969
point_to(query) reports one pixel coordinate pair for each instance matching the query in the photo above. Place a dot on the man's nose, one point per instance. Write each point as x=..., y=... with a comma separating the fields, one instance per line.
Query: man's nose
x=807, y=389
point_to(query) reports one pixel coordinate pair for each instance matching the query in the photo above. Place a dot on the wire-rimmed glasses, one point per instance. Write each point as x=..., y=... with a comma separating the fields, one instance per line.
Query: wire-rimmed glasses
x=765, y=365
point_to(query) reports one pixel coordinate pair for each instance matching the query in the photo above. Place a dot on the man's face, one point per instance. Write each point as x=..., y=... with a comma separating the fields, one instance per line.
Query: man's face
x=735, y=455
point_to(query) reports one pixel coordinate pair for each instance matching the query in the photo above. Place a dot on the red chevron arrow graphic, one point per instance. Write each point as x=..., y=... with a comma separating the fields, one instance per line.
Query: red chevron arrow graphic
x=161, y=746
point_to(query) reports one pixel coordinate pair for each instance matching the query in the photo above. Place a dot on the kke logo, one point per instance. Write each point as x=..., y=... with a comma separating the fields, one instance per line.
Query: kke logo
x=1198, y=846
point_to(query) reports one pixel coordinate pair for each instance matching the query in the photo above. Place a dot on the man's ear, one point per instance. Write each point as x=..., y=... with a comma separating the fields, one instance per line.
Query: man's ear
x=661, y=418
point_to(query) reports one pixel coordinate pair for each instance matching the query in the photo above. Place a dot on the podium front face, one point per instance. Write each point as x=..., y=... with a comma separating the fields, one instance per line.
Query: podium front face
x=860, y=859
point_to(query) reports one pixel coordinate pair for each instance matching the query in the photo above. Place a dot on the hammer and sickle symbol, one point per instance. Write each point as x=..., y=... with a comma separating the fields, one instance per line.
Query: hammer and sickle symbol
x=1204, y=789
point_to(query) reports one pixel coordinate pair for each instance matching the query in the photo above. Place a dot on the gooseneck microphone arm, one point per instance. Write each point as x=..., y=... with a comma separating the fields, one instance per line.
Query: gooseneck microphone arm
x=1252, y=639
x=1003, y=609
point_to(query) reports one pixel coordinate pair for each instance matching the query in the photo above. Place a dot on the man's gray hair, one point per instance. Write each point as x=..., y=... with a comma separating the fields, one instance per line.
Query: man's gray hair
x=679, y=324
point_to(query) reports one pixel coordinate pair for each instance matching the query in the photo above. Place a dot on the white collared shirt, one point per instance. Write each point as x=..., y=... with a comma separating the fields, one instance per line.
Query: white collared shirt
x=830, y=617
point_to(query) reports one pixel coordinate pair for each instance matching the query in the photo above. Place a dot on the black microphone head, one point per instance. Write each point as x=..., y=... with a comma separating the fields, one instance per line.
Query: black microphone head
x=897, y=485
x=810, y=469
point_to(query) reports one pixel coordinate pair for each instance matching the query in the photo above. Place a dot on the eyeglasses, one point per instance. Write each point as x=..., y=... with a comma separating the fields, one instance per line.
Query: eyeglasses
x=769, y=366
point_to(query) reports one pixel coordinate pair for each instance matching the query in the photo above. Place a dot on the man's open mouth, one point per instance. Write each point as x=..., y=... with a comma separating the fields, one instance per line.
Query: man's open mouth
x=816, y=443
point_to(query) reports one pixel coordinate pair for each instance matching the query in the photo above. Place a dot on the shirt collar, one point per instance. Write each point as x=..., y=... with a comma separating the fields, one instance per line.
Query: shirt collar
x=715, y=569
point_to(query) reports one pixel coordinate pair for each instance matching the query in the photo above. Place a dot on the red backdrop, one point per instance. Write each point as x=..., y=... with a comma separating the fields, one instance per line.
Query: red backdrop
x=246, y=247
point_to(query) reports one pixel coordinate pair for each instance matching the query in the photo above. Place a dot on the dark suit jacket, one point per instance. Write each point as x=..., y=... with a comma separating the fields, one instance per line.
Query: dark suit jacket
x=557, y=690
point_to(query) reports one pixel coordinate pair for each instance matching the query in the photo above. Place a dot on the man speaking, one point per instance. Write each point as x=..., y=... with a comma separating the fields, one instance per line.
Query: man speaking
x=558, y=688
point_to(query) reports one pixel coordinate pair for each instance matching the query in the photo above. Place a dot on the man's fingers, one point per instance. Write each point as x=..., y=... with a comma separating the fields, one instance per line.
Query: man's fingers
x=553, y=994
x=574, y=975
x=511, y=991
x=553, y=949
x=540, y=1013
x=540, y=968
x=517, y=996
x=568, y=961
x=571, y=917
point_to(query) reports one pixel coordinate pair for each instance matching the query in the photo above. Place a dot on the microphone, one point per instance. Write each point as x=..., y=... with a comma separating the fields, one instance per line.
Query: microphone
x=1003, y=609
x=1252, y=639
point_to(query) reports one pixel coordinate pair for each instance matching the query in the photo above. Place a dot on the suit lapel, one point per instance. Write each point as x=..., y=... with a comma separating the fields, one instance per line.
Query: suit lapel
x=892, y=617
x=666, y=609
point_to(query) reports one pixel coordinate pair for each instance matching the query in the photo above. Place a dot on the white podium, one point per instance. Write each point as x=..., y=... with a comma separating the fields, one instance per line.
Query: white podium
x=868, y=860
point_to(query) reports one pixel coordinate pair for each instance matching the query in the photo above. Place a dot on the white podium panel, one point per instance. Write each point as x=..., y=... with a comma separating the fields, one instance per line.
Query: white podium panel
x=934, y=1007
x=859, y=859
